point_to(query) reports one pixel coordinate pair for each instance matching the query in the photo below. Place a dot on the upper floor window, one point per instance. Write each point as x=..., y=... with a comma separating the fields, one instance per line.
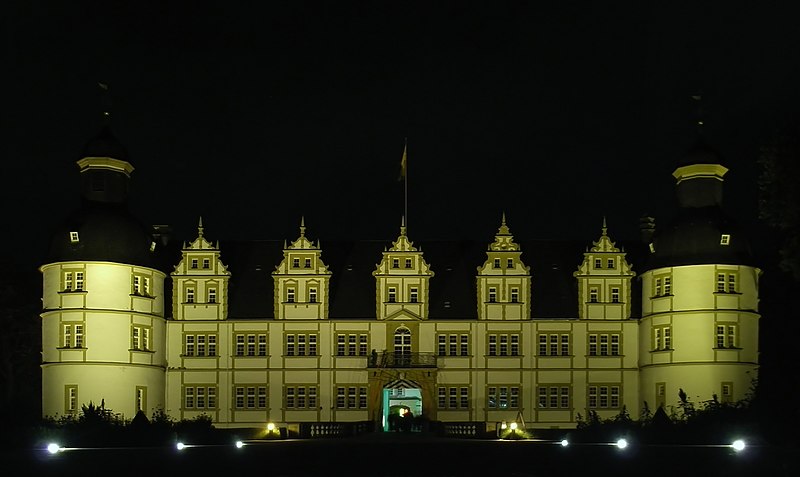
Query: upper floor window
x=725, y=239
x=662, y=285
x=510, y=263
x=594, y=293
x=200, y=344
x=554, y=396
x=604, y=396
x=73, y=237
x=662, y=337
x=352, y=344
x=73, y=280
x=307, y=263
x=492, y=295
x=190, y=295
x=453, y=344
x=392, y=295
x=71, y=399
x=598, y=263
x=194, y=263
x=351, y=397
x=141, y=285
x=72, y=335
x=615, y=295
x=726, y=335
x=140, y=338
x=726, y=282
x=515, y=295
x=301, y=344
x=408, y=263
x=454, y=397
x=554, y=344
x=496, y=263
x=251, y=344
x=212, y=295
x=414, y=296
x=290, y=295
x=610, y=263
x=503, y=397
x=312, y=295
x=395, y=263
x=300, y=397
x=200, y=397
x=604, y=344
x=295, y=263
x=250, y=397
x=504, y=344
x=206, y=263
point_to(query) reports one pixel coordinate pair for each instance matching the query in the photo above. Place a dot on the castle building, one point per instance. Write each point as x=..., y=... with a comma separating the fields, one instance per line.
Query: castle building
x=301, y=333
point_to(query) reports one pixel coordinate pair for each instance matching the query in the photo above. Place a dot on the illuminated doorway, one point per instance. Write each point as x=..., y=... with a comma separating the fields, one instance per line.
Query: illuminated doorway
x=401, y=406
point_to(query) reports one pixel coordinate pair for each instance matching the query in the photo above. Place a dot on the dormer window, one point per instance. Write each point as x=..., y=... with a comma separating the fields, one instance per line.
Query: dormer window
x=206, y=263
x=295, y=263
x=73, y=237
x=194, y=263
x=610, y=263
x=651, y=247
x=395, y=263
x=598, y=263
x=725, y=239
x=496, y=263
x=510, y=263
x=408, y=263
x=152, y=246
x=308, y=263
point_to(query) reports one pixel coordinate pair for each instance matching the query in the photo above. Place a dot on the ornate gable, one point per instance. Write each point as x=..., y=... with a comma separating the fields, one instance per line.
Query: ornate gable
x=504, y=281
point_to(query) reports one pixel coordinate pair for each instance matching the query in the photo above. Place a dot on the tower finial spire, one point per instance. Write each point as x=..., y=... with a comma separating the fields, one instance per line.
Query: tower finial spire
x=106, y=101
x=699, y=112
x=403, y=227
x=302, y=226
x=605, y=227
x=200, y=227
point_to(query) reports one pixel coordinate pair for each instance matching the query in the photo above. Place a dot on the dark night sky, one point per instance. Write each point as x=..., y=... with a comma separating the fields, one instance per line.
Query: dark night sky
x=254, y=116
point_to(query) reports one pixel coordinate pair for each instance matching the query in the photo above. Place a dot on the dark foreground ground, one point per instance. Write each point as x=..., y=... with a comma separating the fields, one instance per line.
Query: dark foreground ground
x=407, y=455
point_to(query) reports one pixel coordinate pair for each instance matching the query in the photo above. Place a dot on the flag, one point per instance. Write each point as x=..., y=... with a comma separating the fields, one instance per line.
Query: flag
x=403, y=161
x=103, y=86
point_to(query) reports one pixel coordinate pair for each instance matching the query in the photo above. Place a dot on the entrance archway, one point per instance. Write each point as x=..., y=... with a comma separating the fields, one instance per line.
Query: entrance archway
x=401, y=405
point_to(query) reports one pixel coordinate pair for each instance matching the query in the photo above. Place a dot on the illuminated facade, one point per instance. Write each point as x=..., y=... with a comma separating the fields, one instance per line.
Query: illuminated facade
x=257, y=332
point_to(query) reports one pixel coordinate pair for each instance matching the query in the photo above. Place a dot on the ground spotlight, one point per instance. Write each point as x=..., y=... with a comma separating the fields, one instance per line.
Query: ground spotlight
x=622, y=443
x=738, y=445
x=564, y=443
x=239, y=444
x=180, y=446
x=53, y=448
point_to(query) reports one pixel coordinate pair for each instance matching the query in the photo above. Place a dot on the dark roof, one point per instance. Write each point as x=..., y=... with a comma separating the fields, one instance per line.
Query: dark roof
x=106, y=232
x=105, y=144
x=701, y=153
x=693, y=238
x=453, y=293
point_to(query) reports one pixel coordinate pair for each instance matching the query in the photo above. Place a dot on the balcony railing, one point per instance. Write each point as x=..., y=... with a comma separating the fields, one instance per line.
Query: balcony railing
x=402, y=360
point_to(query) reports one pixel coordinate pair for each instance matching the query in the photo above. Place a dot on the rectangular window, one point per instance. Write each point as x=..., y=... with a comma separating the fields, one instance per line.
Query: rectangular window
x=212, y=295
x=726, y=335
x=598, y=263
x=301, y=344
x=200, y=397
x=604, y=396
x=190, y=295
x=554, y=397
x=295, y=263
x=492, y=295
x=414, y=295
x=206, y=263
x=141, y=399
x=496, y=263
x=553, y=344
x=351, y=397
x=661, y=395
x=615, y=295
x=78, y=281
x=72, y=335
x=300, y=397
x=70, y=399
x=73, y=237
x=662, y=338
x=662, y=285
x=610, y=263
x=312, y=295
x=194, y=263
x=510, y=263
x=240, y=347
x=307, y=263
x=726, y=282
x=290, y=295
x=392, y=295
x=515, y=295
x=408, y=263
x=137, y=285
x=453, y=344
x=503, y=397
x=594, y=295
x=395, y=263
x=726, y=395
x=609, y=344
x=140, y=338
x=725, y=239
x=200, y=345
